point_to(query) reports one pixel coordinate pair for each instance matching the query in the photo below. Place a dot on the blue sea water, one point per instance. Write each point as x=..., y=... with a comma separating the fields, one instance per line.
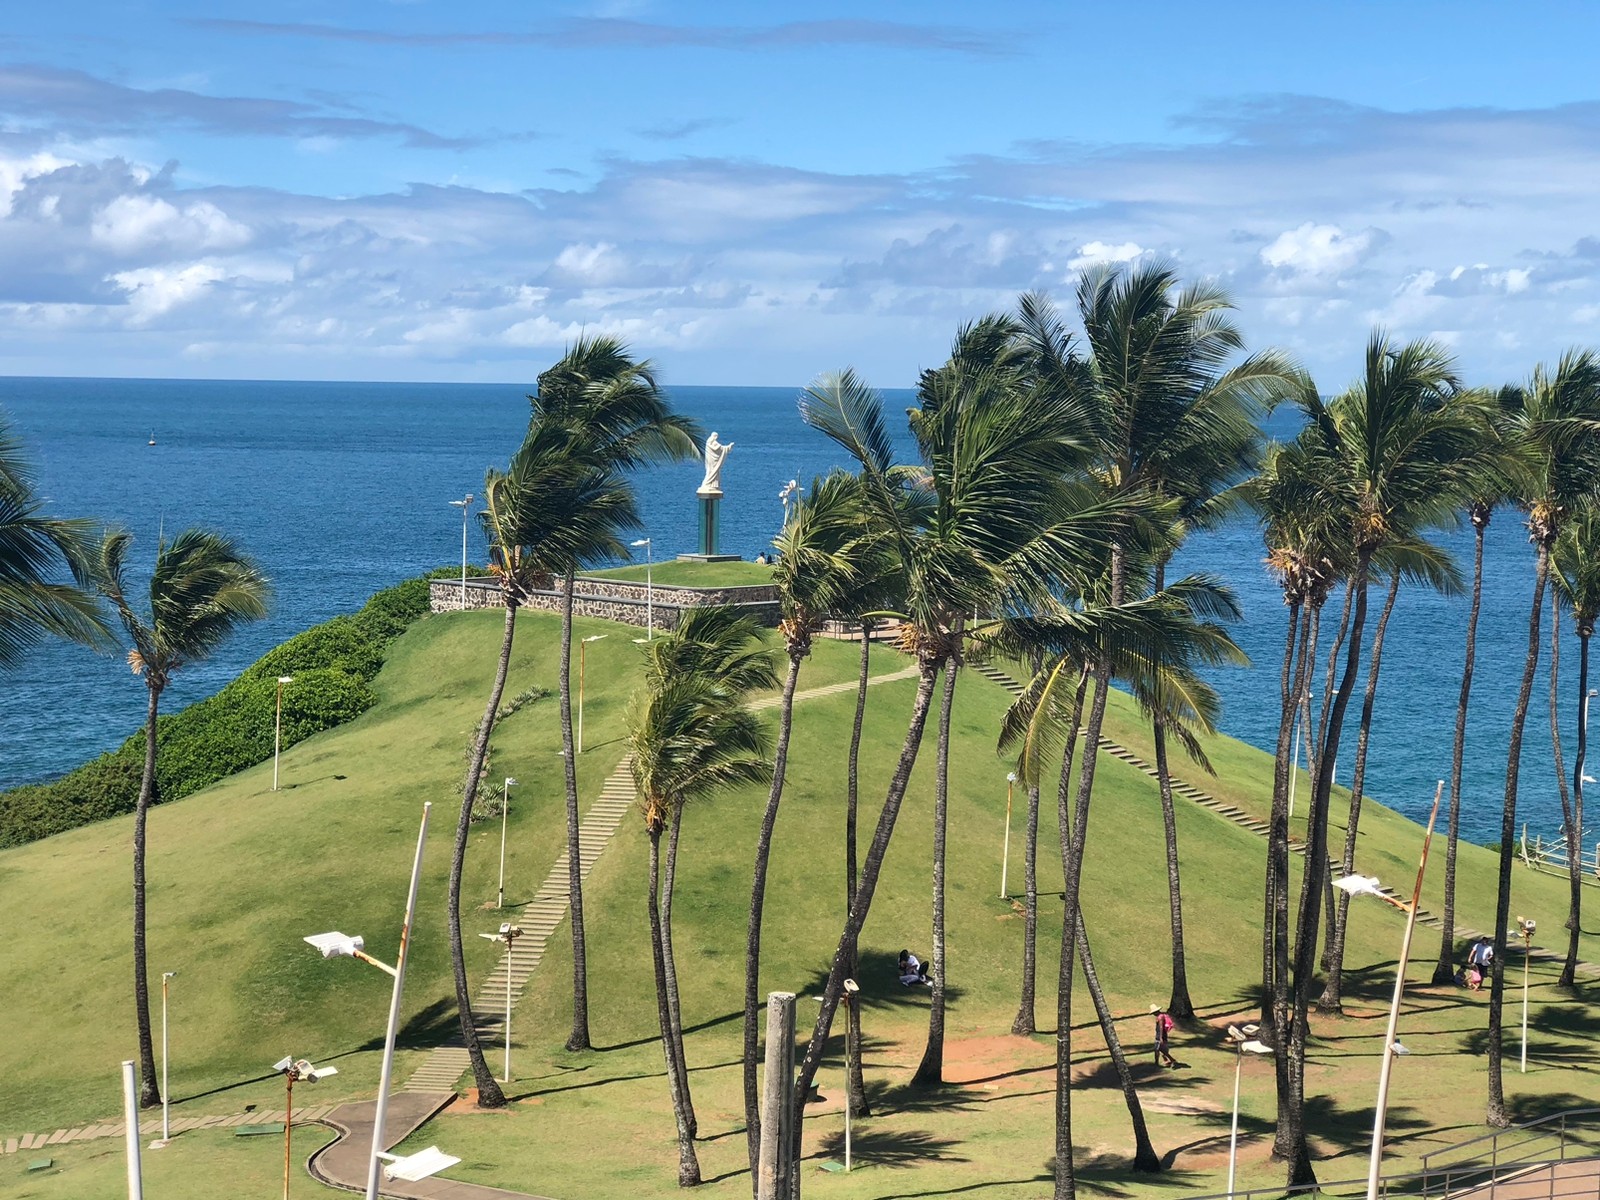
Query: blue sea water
x=340, y=489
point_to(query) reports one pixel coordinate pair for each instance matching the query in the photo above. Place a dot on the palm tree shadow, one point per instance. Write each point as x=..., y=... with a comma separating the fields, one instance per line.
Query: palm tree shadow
x=892, y=1148
x=651, y=1038
x=424, y=1029
x=1111, y=1175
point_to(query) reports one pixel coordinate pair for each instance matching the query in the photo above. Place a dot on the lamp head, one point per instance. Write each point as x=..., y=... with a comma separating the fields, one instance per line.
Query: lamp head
x=507, y=929
x=1527, y=925
x=285, y=678
x=510, y=782
x=168, y=974
x=1011, y=776
x=1359, y=885
x=597, y=637
x=640, y=542
x=336, y=944
x=284, y=1064
x=851, y=987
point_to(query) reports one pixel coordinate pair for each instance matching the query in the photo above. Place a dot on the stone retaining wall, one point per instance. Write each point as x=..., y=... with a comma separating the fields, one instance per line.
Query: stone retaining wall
x=611, y=599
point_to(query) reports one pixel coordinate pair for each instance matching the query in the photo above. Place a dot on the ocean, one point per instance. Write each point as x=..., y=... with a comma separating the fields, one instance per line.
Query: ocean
x=340, y=489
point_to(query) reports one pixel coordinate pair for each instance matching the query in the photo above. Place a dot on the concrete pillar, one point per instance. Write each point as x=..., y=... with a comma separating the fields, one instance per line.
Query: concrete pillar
x=777, y=1112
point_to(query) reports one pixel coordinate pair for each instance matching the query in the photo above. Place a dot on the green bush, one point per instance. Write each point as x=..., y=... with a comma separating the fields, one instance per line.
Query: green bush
x=333, y=665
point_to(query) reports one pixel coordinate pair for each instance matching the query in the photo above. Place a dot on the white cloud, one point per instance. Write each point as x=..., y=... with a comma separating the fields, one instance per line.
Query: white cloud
x=153, y=291
x=1093, y=254
x=14, y=172
x=140, y=222
x=1311, y=249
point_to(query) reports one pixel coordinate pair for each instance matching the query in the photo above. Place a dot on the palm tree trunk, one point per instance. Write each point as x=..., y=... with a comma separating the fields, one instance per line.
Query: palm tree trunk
x=930, y=1071
x=578, y=1039
x=927, y=676
x=489, y=1093
x=1496, y=1113
x=758, y=896
x=1144, y=1154
x=1575, y=879
x=1276, y=1016
x=669, y=879
x=1290, y=676
x=1331, y=1001
x=688, y=1162
x=1327, y=704
x=1025, y=1025
x=149, y=1092
x=1444, y=970
x=1180, y=1005
x=1569, y=969
x=1291, y=1108
x=856, y=1081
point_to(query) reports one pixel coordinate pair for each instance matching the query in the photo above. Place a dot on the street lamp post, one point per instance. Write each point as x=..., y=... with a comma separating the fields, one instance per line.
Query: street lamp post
x=1244, y=1042
x=505, y=808
x=277, y=728
x=852, y=991
x=130, y=1129
x=166, y=1095
x=508, y=934
x=1005, y=853
x=465, y=505
x=294, y=1069
x=337, y=945
x=649, y=590
x=583, y=648
x=1358, y=885
x=1525, y=926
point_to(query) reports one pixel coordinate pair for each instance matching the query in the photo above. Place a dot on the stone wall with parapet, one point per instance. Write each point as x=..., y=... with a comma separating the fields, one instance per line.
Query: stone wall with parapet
x=611, y=599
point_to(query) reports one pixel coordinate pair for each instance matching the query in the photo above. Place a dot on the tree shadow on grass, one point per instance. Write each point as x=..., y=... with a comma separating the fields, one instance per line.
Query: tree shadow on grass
x=425, y=1029
x=655, y=1036
x=1112, y=1175
x=1148, y=1077
x=886, y=1099
x=896, y=1148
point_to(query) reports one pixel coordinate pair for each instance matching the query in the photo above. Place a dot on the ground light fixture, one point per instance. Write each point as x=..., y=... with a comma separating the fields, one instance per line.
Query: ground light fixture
x=166, y=1095
x=583, y=649
x=1364, y=885
x=1525, y=927
x=1005, y=852
x=508, y=934
x=649, y=591
x=340, y=945
x=465, y=505
x=1243, y=1040
x=505, y=807
x=277, y=728
x=293, y=1070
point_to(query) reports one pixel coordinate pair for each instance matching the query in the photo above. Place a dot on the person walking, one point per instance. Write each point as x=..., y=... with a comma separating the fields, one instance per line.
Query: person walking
x=1164, y=1024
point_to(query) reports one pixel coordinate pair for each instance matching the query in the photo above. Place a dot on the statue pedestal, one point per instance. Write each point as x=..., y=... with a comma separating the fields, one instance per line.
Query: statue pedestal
x=709, y=528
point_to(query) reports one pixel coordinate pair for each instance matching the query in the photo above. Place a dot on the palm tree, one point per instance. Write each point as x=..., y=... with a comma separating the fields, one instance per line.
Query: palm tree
x=548, y=510
x=1401, y=448
x=1555, y=423
x=202, y=588
x=1575, y=569
x=611, y=406
x=691, y=736
x=815, y=569
x=34, y=604
x=1488, y=491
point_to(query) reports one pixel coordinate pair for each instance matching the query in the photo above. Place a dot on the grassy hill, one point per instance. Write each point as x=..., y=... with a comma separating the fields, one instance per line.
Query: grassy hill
x=238, y=874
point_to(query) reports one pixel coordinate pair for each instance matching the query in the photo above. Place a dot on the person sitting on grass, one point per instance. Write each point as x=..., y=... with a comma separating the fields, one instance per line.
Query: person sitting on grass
x=913, y=970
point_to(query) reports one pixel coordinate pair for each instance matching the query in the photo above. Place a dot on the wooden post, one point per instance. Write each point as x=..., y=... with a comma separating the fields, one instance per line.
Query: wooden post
x=777, y=1115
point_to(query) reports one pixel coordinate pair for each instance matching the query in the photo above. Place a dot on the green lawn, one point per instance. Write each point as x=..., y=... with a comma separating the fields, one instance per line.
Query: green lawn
x=238, y=874
x=693, y=574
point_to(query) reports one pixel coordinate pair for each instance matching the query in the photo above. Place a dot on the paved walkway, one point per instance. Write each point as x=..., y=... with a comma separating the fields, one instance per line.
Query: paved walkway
x=150, y=1126
x=1573, y=1178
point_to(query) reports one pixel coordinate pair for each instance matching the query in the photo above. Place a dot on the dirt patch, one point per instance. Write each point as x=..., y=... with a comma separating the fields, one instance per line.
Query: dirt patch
x=997, y=1063
x=466, y=1105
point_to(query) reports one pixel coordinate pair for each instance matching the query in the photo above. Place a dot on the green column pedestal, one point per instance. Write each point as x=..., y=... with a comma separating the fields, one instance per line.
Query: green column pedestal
x=708, y=523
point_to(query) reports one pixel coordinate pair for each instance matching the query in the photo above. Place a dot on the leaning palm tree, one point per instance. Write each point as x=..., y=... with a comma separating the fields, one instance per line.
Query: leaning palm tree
x=35, y=551
x=815, y=570
x=202, y=588
x=690, y=736
x=1575, y=571
x=549, y=509
x=1555, y=423
x=611, y=405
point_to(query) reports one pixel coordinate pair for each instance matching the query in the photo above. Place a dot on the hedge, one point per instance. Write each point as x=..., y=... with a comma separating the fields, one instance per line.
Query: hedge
x=333, y=665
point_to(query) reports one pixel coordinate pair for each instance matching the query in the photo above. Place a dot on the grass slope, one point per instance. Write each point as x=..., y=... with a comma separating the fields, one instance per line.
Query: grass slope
x=238, y=874
x=693, y=574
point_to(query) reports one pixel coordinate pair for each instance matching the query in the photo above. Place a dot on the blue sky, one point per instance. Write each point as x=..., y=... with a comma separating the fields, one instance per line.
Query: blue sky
x=755, y=193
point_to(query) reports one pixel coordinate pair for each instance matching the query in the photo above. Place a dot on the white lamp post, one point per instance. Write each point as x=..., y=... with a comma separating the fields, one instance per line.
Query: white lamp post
x=1005, y=853
x=649, y=590
x=465, y=505
x=787, y=495
x=851, y=991
x=1244, y=1042
x=337, y=945
x=294, y=1069
x=1525, y=926
x=130, y=1129
x=505, y=808
x=508, y=934
x=166, y=1095
x=1362, y=885
x=583, y=649
x=277, y=728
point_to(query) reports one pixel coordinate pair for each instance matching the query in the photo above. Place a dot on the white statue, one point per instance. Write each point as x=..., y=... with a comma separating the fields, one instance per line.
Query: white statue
x=716, y=455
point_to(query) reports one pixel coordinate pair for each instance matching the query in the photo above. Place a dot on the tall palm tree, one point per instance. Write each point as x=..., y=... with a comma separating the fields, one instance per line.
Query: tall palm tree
x=815, y=570
x=1401, y=447
x=1575, y=570
x=35, y=603
x=691, y=736
x=611, y=406
x=549, y=509
x=1555, y=423
x=202, y=588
